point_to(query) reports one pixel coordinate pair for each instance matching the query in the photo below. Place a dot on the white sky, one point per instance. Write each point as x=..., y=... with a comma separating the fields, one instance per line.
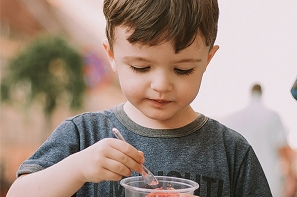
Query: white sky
x=258, y=43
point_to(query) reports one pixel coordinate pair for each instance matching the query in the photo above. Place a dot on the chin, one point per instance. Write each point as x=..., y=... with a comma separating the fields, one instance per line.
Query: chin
x=158, y=116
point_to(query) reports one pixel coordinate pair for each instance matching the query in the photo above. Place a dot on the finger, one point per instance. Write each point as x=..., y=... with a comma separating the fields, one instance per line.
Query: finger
x=106, y=174
x=129, y=150
x=124, y=159
x=116, y=167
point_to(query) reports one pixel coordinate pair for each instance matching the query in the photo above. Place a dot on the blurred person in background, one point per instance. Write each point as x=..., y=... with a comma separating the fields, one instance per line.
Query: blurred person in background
x=263, y=129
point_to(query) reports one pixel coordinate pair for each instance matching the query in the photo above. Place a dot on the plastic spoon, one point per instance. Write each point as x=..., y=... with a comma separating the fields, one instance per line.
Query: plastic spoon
x=148, y=175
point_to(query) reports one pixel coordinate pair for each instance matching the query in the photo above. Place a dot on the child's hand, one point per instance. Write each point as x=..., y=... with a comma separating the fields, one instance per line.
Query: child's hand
x=108, y=159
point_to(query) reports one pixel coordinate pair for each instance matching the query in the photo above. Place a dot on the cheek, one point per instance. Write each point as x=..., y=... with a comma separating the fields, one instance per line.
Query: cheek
x=188, y=91
x=130, y=86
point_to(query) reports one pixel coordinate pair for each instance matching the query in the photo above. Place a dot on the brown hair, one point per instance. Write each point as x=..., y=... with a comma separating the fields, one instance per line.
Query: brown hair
x=153, y=22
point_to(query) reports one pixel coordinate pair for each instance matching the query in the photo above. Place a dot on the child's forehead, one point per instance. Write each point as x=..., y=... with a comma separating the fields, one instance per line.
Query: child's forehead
x=122, y=33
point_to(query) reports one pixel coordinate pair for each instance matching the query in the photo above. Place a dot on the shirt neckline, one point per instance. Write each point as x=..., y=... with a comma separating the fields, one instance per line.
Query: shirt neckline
x=165, y=133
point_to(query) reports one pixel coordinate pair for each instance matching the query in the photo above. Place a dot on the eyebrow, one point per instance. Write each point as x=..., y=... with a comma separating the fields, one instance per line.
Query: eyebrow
x=132, y=58
x=190, y=60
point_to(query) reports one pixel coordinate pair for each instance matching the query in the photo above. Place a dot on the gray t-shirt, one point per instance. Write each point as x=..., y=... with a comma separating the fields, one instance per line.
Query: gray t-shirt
x=216, y=157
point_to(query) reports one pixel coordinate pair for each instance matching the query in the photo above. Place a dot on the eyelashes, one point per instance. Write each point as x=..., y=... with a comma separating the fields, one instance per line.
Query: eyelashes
x=139, y=70
x=184, y=72
x=176, y=70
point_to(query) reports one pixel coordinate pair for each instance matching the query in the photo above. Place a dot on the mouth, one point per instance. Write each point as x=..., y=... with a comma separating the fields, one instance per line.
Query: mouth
x=159, y=101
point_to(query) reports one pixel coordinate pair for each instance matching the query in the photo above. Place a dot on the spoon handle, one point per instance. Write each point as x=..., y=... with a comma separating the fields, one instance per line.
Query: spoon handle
x=118, y=135
x=148, y=175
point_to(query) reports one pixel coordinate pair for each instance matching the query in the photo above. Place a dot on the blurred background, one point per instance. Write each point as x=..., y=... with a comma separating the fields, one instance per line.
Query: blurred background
x=257, y=41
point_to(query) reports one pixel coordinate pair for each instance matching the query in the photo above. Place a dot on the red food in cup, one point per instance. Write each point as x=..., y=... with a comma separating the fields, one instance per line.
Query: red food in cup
x=163, y=194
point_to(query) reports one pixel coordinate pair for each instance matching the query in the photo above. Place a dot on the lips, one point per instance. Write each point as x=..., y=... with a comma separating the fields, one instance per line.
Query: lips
x=159, y=102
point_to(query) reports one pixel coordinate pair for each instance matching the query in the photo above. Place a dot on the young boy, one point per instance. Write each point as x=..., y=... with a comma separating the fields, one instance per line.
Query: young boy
x=159, y=50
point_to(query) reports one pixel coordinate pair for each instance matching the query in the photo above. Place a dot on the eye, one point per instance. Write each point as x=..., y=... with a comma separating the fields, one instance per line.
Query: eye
x=184, y=72
x=140, y=70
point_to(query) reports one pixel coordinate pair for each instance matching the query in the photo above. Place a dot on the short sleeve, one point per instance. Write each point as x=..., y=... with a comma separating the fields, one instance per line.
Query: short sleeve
x=63, y=142
x=251, y=180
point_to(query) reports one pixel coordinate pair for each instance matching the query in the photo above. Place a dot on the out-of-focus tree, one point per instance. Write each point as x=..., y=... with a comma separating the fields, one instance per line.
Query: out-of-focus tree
x=48, y=71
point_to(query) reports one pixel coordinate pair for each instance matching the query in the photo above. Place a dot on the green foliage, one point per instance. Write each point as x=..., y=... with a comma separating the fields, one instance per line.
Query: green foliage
x=47, y=70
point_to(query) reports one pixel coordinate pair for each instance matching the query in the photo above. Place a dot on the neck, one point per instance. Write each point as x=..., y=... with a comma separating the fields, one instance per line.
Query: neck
x=176, y=121
x=255, y=97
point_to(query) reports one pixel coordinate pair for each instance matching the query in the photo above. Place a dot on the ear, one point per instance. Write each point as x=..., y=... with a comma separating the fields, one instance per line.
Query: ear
x=109, y=54
x=211, y=53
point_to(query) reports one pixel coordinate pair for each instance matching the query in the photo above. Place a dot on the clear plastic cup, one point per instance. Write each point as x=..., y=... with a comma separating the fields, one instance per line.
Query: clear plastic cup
x=170, y=187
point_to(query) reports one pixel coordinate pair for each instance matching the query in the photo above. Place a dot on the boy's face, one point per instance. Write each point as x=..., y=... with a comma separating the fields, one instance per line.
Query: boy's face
x=157, y=81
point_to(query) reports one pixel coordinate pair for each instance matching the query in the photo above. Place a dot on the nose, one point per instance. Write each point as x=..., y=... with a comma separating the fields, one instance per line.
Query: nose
x=161, y=82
